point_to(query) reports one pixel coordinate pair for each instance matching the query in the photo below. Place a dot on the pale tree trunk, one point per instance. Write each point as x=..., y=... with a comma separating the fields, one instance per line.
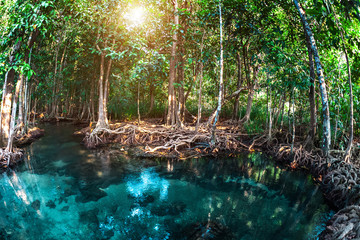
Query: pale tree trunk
x=338, y=111
x=246, y=118
x=138, y=102
x=102, y=118
x=239, y=83
x=171, y=118
x=280, y=109
x=23, y=99
x=201, y=67
x=107, y=82
x=92, y=93
x=322, y=85
x=293, y=121
x=152, y=98
x=7, y=96
x=269, y=110
x=53, y=106
x=311, y=92
x=181, y=73
x=19, y=84
x=221, y=82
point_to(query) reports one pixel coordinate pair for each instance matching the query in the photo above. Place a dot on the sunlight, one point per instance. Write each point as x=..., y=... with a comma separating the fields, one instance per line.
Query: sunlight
x=136, y=15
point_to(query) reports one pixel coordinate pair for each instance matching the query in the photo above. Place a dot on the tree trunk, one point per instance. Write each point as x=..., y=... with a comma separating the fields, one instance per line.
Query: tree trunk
x=246, y=118
x=311, y=92
x=53, y=106
x=19, y=84
x=221, y=82
x=280, y=109
x=322, y=85
x=152, y=98
x=201, y=67
x=269, y=111
x=138, y=102
x=7, y=96
x=347, y=155
x=102, y=118
x=293, y=121
x=239, y=83
x=171, y=118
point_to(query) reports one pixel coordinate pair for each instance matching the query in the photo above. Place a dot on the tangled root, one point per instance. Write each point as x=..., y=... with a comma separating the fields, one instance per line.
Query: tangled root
x=164, y=139
x=32, y=134
x=345, y=224
x=342, y=185
x=8, y=159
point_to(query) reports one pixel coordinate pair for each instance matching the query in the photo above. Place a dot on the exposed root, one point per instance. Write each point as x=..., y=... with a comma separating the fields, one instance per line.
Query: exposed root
x=162, y=139
x=345, y=224
x=8, y=159
x=32, y=134
x=342, y=184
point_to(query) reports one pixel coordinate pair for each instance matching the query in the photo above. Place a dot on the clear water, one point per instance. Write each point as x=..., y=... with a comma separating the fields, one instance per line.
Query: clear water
x=64, y=191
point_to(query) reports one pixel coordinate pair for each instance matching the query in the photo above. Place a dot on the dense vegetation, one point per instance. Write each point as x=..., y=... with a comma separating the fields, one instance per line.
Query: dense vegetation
x=280, y=74
x=278, y=67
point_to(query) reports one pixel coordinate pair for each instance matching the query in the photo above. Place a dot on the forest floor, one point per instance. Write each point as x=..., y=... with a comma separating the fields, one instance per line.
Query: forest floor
x=339, y=181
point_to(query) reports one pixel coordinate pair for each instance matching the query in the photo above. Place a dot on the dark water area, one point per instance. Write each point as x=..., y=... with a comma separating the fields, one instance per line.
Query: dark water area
x=64, y=191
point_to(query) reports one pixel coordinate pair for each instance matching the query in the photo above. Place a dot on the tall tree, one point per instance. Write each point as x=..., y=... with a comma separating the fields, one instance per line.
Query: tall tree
x=322, y=85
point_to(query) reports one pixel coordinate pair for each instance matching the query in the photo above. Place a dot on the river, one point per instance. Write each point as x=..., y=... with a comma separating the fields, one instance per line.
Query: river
x=64, y=191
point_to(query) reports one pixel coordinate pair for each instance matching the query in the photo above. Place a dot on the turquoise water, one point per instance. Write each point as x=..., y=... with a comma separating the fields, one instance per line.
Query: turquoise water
x=64, y=191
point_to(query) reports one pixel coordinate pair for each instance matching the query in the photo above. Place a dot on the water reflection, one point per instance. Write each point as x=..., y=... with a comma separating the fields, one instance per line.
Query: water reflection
x=66, y=192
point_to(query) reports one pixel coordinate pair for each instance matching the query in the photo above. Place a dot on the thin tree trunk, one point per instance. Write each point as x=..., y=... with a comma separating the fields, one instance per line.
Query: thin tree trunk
x=7, y=96
x=107, y=82
x=138, y=102
x=289, y=111
x=280, y=108
x=322, y=85
x=19, y=84
x=312, y=131
x=201, y=67
x=293, y=121
x=171, y=118
x=239, y=83
x=102, y=119
x=221, y=82
x=53, y=106
x=269, y=110
x=347, y=155
x=246, y=118
x=152, y=98
x=180, y=81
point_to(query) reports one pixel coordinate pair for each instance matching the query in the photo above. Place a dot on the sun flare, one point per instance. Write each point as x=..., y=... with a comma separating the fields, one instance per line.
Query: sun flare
x=136, y=15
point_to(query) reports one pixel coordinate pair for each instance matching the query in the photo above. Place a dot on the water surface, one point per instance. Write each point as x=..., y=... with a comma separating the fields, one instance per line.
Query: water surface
x=64, y=191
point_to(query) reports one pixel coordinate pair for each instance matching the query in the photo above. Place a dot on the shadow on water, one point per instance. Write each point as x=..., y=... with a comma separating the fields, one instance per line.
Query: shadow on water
x=64, y=191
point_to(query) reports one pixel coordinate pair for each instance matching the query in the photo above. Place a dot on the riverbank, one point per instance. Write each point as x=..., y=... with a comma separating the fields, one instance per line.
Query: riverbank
x=13, y=157
x=339, y=181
